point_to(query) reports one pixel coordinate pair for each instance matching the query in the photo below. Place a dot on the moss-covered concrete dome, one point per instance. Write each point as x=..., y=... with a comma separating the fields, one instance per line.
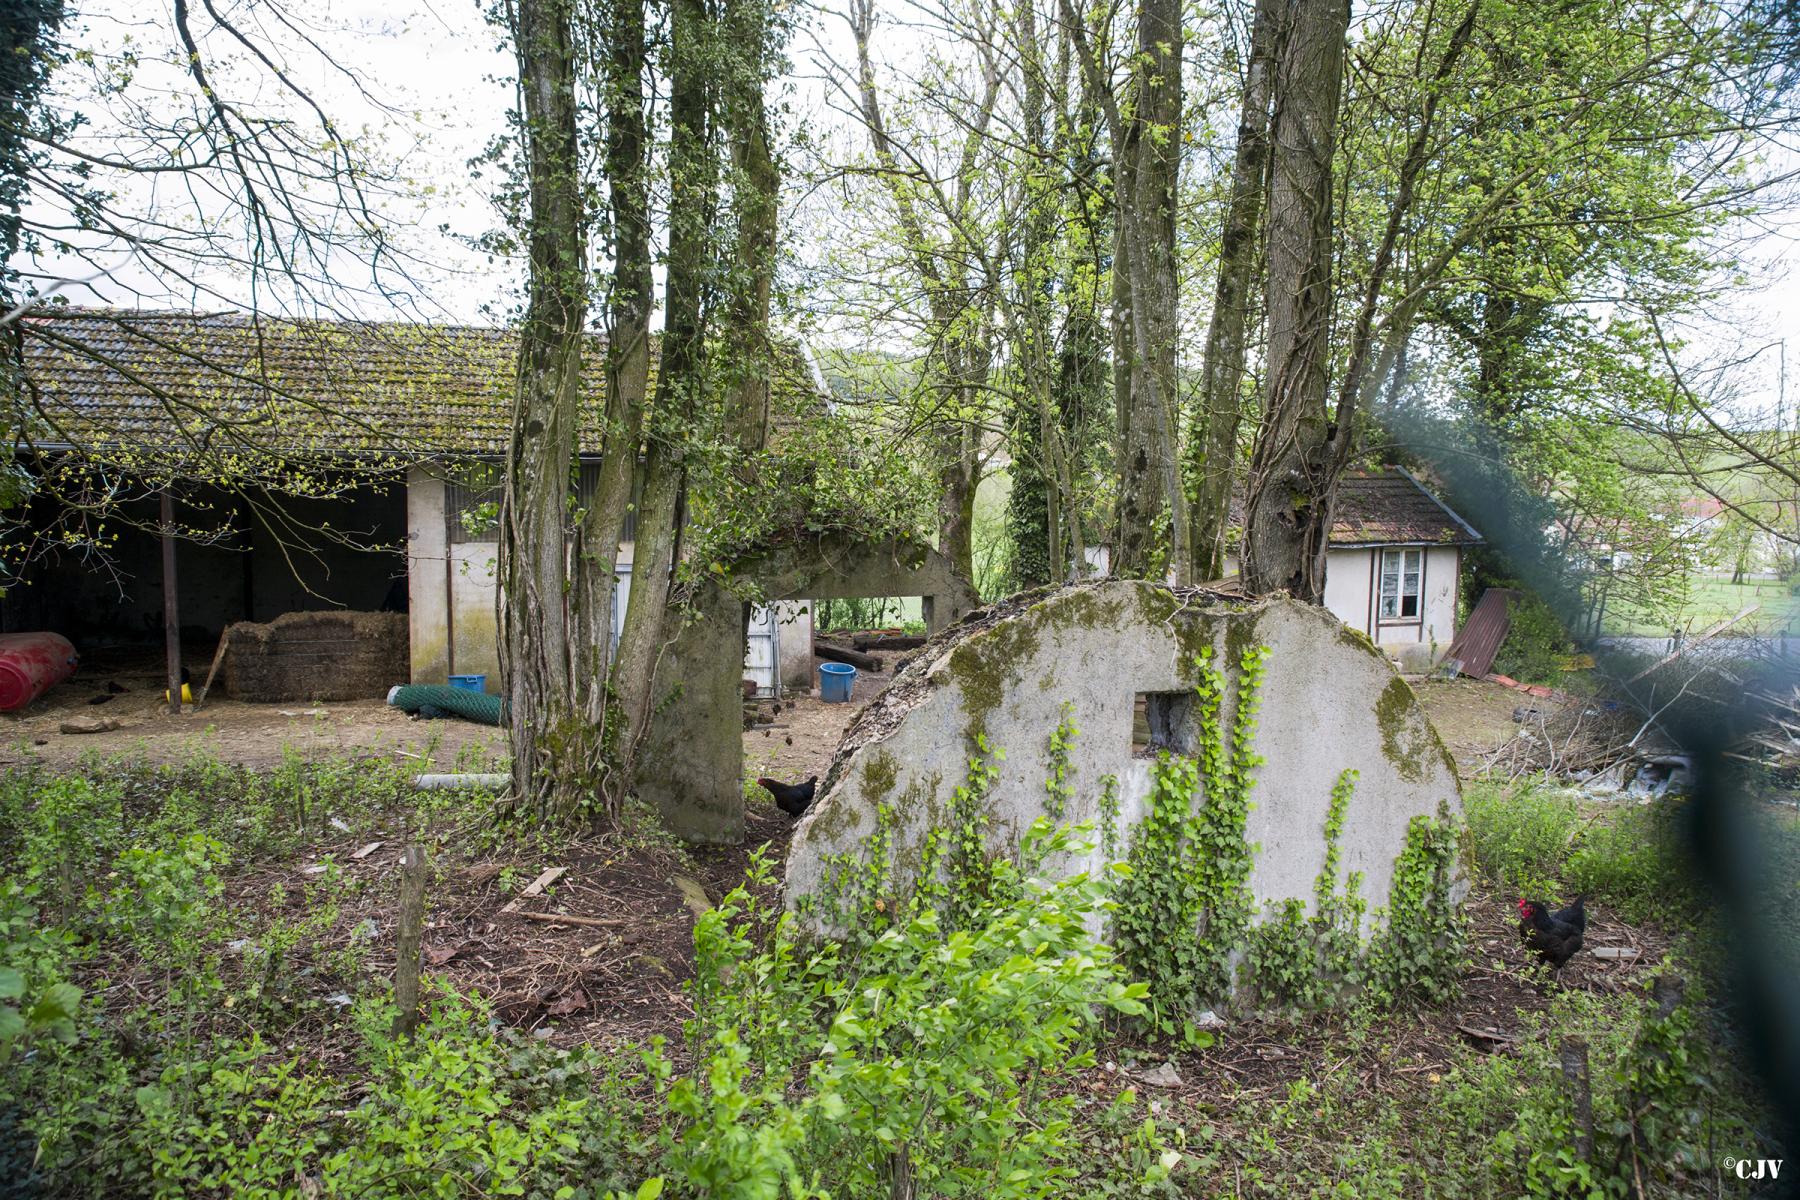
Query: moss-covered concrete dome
x=1118, y=661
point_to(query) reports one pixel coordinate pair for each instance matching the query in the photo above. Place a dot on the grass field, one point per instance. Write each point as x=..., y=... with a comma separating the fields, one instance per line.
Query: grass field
x=1711, y=600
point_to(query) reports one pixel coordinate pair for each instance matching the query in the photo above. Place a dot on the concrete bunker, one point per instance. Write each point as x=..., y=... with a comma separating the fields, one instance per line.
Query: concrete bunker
x=1118, y=660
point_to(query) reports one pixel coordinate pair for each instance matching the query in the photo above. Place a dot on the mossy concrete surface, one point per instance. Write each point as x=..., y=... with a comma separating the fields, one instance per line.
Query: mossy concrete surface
x=1328, y=701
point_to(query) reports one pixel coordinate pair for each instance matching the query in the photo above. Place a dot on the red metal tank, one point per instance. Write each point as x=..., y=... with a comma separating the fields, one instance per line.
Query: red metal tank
x=31, y=664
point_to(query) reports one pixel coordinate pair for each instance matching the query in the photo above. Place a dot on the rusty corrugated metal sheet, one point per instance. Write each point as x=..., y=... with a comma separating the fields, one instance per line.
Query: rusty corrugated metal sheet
x=1478, y=641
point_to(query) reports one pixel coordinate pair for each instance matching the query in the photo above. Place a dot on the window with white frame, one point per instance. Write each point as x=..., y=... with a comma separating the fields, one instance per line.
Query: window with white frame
x=1400, y=571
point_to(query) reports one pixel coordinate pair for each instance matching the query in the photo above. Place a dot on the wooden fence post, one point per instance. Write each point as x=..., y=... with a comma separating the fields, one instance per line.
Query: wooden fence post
x=171, y=605
x=411, y=934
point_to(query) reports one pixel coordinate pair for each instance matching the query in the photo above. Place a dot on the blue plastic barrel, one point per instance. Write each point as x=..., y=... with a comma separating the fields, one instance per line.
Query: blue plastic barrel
x=469, y=683
x=835, y=682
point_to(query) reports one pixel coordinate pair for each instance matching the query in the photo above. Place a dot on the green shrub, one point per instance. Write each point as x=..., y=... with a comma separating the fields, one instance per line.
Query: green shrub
x=462, y=1110
x=1633, y=860
x=938, y=1053
x=1659, y=1112
x=1535, y=640
x=36, y=1000
x=439, y=1118
x=240, y=1121
x=1520, y=834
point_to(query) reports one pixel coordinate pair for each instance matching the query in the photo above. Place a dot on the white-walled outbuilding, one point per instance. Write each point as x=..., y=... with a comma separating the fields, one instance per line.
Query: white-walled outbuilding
x=452, y=588
x=1394, y=567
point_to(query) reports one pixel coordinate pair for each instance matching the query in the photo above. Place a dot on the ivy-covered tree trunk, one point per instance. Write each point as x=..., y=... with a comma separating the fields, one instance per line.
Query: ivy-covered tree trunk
x=1293, y=470
x=1152, y=500
x=537, y=653
x=1027, y=505
x=28, y=34
x=1213, y=444
x=680, y=375
x=1034, y=510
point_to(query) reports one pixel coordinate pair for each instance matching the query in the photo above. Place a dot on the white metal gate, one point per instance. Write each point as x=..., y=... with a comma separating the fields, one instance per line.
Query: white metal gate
x=762, y=651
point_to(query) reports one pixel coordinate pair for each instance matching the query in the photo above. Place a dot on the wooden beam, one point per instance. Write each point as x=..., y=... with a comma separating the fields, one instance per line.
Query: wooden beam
x=832, y=652
x=218, y=657
x=1710, y=632
x=171, y=611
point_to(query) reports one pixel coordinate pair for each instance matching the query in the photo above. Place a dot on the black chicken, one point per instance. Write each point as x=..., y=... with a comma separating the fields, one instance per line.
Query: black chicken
x=791, y=798
x=1555, y=937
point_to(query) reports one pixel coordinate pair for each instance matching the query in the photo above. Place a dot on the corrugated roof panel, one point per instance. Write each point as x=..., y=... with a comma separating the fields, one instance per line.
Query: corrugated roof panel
x=1477, y=643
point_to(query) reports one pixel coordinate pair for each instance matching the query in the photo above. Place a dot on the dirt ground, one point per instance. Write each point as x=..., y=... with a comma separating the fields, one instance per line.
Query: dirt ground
x=1473, y=716
x=806, y=730
x=255, y=735
x=611, y=971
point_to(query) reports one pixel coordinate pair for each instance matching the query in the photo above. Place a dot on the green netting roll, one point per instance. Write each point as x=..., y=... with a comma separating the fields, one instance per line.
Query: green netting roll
x=475, y=706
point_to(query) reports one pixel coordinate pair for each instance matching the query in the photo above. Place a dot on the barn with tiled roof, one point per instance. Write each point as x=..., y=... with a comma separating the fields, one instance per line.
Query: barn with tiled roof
x=314, y=464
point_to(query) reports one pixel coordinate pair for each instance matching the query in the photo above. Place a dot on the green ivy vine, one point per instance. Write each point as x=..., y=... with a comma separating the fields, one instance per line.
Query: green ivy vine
x=1295, y=961
x=1422, y=948
x=970, y=873
x=1058, y=791
x=1109, y=817
x=1189, y=864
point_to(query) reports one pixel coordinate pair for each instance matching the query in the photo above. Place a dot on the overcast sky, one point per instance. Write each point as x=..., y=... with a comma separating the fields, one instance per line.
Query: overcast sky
x=440, y=71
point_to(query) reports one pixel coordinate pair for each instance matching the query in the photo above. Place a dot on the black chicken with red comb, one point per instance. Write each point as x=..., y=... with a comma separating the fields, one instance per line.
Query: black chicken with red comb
x=1555, y=937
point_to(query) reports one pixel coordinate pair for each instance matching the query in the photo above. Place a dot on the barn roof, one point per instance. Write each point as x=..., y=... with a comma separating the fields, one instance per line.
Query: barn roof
x=179, y=380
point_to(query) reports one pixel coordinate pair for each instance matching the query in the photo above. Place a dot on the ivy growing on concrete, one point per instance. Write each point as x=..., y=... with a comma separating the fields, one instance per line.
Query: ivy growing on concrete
x=1109, y=817
x=1182, y=918
x=856, y=899
x=1295, y=961
x=1420, y=952
x=1190, y=862
x=1058, y=791
x=970, y=869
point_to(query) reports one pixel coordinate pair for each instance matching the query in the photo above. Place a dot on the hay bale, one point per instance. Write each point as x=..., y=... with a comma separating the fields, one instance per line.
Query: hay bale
x=333, y=655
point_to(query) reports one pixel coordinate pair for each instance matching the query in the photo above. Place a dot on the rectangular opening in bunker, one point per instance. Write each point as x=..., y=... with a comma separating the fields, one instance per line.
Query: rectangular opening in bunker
x=1163, y=721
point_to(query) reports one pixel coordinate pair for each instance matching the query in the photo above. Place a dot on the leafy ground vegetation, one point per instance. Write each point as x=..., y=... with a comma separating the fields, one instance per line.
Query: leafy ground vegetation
x=195, y=979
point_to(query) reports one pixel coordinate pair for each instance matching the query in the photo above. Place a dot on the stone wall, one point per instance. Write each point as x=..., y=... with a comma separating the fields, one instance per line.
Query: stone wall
x=1329, y=701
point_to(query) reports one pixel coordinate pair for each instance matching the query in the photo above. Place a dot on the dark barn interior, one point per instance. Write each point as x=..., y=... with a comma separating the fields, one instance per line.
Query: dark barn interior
x=239, y=561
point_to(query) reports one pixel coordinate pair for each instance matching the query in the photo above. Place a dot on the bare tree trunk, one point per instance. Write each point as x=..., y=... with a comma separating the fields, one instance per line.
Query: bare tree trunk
x=965, y=358
x=1293, y=475
x=627, y=367
x=535, y=646
x=1213, y=447
x=755, y=188
x=959, y=475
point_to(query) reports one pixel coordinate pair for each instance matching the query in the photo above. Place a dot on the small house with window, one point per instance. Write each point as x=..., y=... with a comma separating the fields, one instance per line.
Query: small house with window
x=1394, y=569
x=1394, y=566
